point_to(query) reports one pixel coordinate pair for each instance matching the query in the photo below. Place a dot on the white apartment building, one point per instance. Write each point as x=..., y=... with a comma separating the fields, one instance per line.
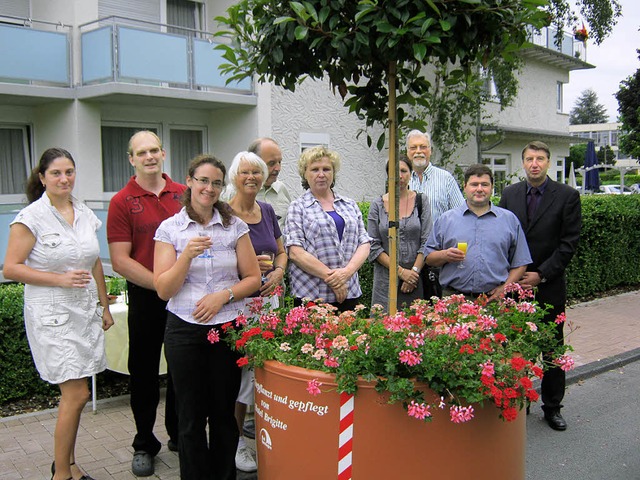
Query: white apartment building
x=85, y=74
x=605, y=134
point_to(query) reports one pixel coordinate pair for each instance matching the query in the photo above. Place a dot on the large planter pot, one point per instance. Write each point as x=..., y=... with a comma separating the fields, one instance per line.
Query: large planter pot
x=301, y=436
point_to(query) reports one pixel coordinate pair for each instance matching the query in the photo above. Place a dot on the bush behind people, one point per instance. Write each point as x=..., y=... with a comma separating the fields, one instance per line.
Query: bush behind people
x=607, y=257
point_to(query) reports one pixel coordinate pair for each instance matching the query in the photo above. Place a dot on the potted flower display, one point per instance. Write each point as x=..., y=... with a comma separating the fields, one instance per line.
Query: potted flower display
x=581, y=34
x=453, y=363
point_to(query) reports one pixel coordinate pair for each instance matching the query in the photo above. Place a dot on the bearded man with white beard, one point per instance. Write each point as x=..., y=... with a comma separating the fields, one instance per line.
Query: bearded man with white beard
x=441, y=189
x=437, y=183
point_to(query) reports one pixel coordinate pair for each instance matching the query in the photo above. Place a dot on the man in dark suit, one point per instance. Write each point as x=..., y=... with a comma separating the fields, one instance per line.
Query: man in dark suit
x=550, y=216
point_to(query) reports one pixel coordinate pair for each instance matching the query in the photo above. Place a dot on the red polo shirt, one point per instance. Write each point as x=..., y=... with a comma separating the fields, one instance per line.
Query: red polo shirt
x=135, y=214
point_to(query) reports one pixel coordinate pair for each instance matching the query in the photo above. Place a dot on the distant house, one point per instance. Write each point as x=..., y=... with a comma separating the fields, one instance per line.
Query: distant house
x=86, y=74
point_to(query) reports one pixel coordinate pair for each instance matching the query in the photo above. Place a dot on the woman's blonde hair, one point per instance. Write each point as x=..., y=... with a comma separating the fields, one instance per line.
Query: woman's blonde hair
x=314, y=154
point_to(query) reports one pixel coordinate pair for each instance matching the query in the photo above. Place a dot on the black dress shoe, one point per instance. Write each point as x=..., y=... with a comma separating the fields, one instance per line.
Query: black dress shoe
x=555, y=420
x=172, y=445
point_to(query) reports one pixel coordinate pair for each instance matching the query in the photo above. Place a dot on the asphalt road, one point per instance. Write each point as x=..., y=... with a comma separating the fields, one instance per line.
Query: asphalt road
x=602, y=441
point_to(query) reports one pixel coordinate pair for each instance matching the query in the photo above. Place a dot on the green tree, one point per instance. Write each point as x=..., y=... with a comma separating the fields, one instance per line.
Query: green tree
x=576, y=156
x=606, y=155
x=628, y=97
x=588, y=110
x=373, y=52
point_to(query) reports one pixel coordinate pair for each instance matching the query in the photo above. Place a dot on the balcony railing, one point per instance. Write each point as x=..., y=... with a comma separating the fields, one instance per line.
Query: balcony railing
x=117, y=49
x=34, y=52
x=568, y=46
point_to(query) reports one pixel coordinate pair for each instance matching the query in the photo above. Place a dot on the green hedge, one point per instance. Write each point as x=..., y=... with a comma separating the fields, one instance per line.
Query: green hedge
x=609, y=248
x=607, y=257
x=19, y=378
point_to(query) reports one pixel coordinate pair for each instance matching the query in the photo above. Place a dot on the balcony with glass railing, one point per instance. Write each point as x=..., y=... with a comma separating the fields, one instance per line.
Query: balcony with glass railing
x=34, y=53
x=570, y=53
x=117, y=50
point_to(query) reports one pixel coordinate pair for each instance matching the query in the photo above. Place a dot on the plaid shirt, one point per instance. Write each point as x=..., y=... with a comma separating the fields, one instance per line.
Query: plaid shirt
x=310, y=227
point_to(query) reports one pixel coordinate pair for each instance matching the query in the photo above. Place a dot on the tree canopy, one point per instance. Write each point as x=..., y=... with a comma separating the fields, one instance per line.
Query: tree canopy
x=352, y=43
x=628, y=97
x=588, y=110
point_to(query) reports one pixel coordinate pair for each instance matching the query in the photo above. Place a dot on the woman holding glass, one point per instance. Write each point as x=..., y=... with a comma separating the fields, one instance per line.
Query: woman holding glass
x=325, y=235
x=204, y=262
x=53, y=249
x=246, y=176
x=413, y=231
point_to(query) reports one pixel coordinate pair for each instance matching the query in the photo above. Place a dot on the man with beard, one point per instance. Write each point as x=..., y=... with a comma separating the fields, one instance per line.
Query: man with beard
x=496, y=247
x=438, y=184
x=441, y=189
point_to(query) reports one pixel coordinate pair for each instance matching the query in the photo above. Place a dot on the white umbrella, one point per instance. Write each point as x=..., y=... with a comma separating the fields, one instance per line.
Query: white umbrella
x=572, y=176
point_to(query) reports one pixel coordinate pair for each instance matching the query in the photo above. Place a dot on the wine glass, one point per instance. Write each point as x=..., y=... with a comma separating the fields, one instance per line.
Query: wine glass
x=462, y=246
x=207, y=253
x=268, y=261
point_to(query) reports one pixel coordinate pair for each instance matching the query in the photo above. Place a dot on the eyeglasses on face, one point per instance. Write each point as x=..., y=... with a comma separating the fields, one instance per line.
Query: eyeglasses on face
x=413, y=148
x=205, y=182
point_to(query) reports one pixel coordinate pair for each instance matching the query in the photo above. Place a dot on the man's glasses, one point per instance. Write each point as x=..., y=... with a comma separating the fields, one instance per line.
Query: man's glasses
x=413, y=148
x=205, y=182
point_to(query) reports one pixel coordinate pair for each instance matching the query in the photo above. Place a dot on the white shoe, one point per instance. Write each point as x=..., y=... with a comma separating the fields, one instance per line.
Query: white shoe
x=244, y=460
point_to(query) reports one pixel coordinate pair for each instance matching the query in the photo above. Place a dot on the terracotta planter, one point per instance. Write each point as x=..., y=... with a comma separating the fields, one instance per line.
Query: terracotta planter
x=298, y=435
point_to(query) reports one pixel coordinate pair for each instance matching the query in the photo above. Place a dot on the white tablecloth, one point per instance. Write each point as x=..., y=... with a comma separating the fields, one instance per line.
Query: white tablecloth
x=117, y=340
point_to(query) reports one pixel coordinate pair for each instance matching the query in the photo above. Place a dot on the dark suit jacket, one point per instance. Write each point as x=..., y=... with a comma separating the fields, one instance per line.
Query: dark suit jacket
x=552, y=234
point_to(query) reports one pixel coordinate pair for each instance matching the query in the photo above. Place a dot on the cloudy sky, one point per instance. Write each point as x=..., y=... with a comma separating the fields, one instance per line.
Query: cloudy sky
x=615, y=59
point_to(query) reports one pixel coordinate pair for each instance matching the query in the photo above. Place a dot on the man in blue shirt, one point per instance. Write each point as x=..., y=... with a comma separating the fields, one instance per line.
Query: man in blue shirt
x=496, y=248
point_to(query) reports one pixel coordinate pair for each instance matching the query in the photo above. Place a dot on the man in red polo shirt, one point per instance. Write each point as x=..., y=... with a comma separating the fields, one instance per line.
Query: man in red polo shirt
x=135, y=213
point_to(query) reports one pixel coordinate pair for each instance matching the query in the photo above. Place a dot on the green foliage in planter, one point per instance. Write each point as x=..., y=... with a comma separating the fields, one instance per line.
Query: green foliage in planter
x=19, y=377
x=115, y=285
x=607, y=255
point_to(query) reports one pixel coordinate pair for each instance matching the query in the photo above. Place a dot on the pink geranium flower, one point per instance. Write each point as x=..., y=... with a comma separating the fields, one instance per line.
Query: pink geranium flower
x=460, y=414
x=418, y=410
x=213, y=336
x=410, y=357
x=313, y=387
x=565, y=362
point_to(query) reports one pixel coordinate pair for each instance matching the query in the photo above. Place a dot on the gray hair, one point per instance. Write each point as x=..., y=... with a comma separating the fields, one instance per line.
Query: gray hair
x=417, y=133
x=253, y=159
x=256, y=145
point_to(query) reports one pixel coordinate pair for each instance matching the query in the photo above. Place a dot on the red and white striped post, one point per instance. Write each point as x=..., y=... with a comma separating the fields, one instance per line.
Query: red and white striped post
x=345, y=447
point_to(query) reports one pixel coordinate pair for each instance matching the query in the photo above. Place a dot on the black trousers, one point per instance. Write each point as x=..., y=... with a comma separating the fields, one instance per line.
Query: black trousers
x=554, y=379
x=206, y=380
x=147, y=321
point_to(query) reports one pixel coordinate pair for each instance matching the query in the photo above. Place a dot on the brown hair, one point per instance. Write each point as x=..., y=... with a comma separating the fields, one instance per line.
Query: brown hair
x=479, y=170
x=225, y=210
x=34, y=187
x=537, y=145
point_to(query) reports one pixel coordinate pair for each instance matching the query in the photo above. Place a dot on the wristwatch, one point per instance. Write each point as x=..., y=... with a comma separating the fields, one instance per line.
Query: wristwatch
x=415, y=269
x=231, y=295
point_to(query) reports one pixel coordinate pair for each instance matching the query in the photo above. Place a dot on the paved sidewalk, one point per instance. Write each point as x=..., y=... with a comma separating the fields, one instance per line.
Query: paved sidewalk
x=606, y=334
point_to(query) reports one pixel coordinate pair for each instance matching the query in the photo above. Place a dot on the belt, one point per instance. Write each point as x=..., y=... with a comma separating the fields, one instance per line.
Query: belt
x=447, y=291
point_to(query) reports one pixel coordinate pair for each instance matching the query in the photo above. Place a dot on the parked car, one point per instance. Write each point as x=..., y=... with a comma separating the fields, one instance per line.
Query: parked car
x=635, y=188
x=615, y=189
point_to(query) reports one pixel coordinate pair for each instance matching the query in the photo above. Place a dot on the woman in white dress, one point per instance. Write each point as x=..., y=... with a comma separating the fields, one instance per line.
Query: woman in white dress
x=53, y=249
